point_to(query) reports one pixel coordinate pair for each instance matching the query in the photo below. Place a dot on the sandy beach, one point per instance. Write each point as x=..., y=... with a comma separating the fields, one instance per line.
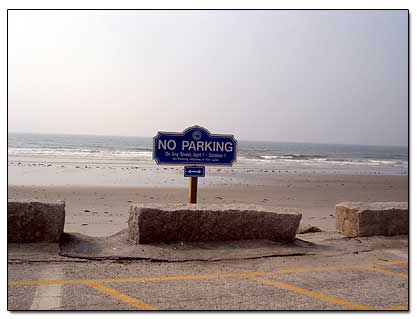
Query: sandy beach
x=103, y=210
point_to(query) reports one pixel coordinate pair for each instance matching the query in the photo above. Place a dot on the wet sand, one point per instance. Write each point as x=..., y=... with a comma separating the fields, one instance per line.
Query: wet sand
x=103, y=210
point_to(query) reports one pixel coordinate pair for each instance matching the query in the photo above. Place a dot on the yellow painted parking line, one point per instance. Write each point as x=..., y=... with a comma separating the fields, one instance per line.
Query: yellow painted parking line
x=186, y=277
x=394, y=262
x=337, y=267
x=312, y=294
x=134, y=279
x=387, y=272
x=122, y=297
x=396, y=308
x=199, y=277
x=47, y=282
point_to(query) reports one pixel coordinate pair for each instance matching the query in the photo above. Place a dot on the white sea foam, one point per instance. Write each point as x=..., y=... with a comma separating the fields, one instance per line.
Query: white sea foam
x=269, y=157
x=79, y=153
x=320, y=162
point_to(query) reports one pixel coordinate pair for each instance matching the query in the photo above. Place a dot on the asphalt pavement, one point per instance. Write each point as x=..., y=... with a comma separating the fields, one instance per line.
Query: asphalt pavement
x=377, y=279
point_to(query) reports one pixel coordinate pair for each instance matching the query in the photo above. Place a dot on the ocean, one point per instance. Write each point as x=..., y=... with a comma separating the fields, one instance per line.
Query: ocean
x=324, y=158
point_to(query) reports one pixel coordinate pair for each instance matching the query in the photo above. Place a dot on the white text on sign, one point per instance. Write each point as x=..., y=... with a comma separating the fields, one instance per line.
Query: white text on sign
x=196, y=146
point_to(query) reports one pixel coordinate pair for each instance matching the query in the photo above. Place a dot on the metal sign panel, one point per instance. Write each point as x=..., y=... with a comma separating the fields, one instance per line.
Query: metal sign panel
x=195, y=145
x=194, y=171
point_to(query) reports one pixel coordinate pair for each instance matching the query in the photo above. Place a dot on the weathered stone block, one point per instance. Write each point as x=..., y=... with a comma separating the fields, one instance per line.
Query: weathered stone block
x=210, y=222
x=356, y=219
x=34, y=221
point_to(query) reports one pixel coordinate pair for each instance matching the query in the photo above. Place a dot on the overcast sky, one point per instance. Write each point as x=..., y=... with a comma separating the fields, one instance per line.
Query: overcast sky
x=300, y=76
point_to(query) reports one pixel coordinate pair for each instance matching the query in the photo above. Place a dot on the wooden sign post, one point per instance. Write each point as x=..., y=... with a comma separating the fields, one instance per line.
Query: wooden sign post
x=194, y=172
x=193, y=190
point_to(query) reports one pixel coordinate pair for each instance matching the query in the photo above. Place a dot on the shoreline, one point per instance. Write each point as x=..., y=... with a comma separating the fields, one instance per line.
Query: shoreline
x=32, y=173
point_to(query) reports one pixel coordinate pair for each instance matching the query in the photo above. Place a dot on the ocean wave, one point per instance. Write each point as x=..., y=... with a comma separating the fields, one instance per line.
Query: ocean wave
x=268, y=157
x=292, y=157
x=383, y=162
x=320, y=160
x=82, y=153
x=315, y=160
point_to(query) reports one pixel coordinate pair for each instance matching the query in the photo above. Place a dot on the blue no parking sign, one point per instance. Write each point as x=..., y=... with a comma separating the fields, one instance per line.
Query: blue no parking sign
x=194, y=146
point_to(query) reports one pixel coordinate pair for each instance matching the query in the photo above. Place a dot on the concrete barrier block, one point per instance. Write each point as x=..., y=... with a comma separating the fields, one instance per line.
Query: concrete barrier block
x=34, y=221
x=356, y=219
x=210, y=222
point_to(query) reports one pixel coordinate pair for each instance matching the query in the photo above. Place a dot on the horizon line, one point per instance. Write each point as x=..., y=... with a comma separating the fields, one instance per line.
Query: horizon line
x=244, y=140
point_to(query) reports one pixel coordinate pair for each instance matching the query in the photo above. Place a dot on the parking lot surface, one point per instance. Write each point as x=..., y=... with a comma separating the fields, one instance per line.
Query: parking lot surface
x=374, y=280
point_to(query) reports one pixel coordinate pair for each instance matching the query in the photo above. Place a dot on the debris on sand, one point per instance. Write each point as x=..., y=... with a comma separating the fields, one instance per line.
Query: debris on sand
x=307, y=228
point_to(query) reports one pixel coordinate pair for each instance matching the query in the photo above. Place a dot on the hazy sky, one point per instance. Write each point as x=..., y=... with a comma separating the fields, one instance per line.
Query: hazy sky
x=302, y=76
